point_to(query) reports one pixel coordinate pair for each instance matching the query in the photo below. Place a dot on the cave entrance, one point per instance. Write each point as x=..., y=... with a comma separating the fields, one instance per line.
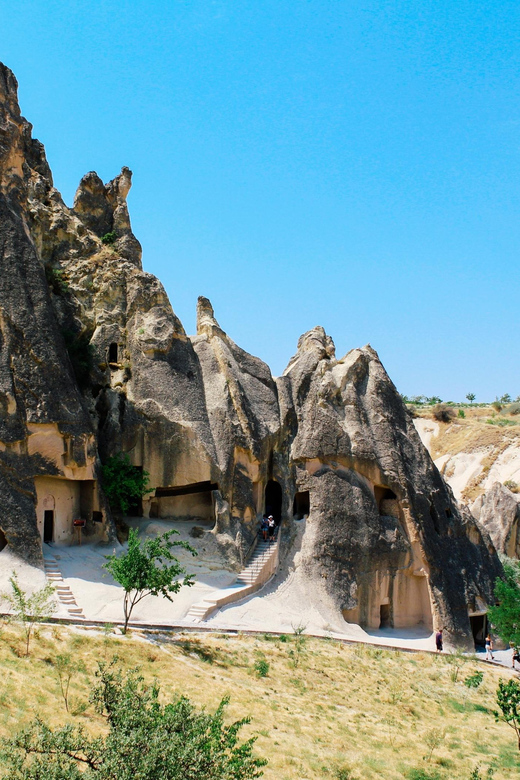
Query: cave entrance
x=273, y=500
x=48, y=526
x=113, y=351
x=3, y=540
x=385, y=618
x=479, y=628
x=301, y=505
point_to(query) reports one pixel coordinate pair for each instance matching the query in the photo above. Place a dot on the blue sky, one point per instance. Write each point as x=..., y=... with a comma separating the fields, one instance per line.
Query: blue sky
x=349, y=164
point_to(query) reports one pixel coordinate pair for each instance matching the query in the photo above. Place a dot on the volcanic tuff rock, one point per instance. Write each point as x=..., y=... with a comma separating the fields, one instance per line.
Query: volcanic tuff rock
x=498, y=513
x=94, y=362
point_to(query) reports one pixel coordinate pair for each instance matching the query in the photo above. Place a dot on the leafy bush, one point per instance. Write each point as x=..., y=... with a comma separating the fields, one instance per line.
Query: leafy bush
x=262, y=667
x=123, y=482
x=109, y=238
x=143, y=739
x=505, y=616
x=497, y=406
x=443, y=413
x=502, y=422
x=513, y=408
x=461, y=413
x=56, y=279
x=474, y=680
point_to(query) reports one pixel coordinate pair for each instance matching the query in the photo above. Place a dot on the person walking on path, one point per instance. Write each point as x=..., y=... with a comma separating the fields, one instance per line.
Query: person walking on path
x=264, y=527
x=489, y=648
x=271, y=528
x=516, y=656
x=438, y=640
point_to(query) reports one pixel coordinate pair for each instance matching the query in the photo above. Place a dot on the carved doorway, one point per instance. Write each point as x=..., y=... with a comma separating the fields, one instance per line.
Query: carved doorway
x=273, y=500
x=48, y=526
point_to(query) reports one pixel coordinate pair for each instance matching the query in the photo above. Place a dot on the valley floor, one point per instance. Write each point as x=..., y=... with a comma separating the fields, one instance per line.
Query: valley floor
x=324, y=710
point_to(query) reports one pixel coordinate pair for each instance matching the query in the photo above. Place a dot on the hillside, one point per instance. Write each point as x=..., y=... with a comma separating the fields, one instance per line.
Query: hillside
x=471, y=452
x=341, y=711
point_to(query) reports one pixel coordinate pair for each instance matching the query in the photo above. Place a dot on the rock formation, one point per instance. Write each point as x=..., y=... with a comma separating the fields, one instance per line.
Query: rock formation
x=95, y=362
x=498, y=513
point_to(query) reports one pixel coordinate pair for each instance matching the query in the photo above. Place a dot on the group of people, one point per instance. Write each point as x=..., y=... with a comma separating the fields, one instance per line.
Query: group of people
x=489, y=648
x=268, y=528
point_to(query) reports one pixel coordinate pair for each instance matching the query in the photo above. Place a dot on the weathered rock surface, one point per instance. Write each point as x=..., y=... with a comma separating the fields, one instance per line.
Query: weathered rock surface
x=93, y=361
x=498, y=512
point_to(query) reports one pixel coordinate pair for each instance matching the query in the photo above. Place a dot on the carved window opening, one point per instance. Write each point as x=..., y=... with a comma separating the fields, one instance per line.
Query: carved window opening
x=97, y=517
x=48, y=526
x=435, y=519
x=384, y=499
x=273, y=500
x=301, y=505
x=449, y=513
x=113, y=353
x=3, y=540
x=154, y=509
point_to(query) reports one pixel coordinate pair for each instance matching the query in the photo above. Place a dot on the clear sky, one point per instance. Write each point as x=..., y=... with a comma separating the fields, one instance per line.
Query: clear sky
x=302, y=162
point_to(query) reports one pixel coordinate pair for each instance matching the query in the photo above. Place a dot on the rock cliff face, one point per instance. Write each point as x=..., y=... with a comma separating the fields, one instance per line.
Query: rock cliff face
x=498, y=513
x=93, y=361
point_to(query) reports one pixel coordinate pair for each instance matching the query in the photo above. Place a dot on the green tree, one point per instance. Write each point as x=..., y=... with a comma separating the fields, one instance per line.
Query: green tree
x=28, y=610
x=505, y=616
x=123, y=482
x=143, y=570
x=66, y=668
x=145, y=739
x=508, y=699
x=471, y=397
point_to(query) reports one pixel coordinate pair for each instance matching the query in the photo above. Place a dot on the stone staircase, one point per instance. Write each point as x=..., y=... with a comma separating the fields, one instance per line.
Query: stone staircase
x=260, y=568
x=63, y=592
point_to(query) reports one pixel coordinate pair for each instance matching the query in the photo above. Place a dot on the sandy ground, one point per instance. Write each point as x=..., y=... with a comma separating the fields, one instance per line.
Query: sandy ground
x=283, y=605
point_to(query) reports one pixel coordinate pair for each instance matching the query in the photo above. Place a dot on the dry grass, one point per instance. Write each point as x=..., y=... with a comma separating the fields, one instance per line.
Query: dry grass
x=374, y=713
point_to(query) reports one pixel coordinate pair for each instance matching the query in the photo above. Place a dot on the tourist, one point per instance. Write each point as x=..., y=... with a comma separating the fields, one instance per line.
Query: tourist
x=264, y=527
x=438, y=640
x=516, y=656
x=489, y=648
x=272, y=526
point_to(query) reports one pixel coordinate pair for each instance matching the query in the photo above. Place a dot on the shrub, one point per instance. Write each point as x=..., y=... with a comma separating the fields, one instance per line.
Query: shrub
x=502, y=422
x=474, y=680
x=123, y=482
x=461, y=413
x=497, y=406
x=143, y=739
x=56, y=279
x=262, y=667
x=28, y=610
x=511, y=485
x=109, y=238
x=513, y=408
x=443, y=413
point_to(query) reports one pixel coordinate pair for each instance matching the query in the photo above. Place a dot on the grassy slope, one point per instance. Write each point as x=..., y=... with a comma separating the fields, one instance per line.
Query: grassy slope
x=472, y=434
x=359, y=707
